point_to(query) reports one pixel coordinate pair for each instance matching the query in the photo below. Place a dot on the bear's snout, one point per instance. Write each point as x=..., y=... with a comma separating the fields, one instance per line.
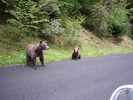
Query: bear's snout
x=47, y=48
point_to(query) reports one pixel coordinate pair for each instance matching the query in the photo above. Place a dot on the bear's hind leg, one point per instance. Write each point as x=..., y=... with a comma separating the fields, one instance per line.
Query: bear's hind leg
x=28, y=60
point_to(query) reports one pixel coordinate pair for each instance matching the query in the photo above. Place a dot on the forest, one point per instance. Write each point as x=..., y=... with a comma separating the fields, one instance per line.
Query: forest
x=51, y=19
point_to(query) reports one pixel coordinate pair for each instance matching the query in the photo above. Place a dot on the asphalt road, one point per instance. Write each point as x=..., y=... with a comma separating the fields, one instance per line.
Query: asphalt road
x=86, y=79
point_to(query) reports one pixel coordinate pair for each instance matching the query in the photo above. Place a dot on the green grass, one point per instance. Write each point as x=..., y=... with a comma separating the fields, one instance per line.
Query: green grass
x=104, y=51
x=18, y=57
x=12, y=58
x=57, y=54
x=12, y=48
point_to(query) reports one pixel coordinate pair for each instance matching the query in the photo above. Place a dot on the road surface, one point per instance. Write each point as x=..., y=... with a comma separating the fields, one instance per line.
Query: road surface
x=86, y=79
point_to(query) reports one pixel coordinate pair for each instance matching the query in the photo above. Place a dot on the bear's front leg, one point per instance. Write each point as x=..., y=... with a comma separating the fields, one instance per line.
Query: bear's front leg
x=73, y=56
x=34, y=63
x=76, y=57
x=79, y=57
x=42, y=60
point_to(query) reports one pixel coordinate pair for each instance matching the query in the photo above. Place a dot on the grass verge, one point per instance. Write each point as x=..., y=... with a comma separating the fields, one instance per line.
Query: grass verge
x=57, y=54
x=13, y=44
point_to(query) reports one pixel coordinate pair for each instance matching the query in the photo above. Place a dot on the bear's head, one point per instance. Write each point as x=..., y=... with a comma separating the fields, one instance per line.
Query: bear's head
x=43, y=45
x=76, y=49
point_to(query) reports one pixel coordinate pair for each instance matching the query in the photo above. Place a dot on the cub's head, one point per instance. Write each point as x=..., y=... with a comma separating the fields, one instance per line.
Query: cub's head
x=76, y=49
x=43, y=45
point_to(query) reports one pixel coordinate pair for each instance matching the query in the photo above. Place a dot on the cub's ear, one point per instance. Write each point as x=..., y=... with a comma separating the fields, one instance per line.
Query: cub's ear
x=45, y=41
x=40, y=41
x=78, y=48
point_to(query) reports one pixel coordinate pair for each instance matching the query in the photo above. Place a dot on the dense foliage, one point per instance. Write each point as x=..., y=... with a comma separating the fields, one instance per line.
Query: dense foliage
x=50, y=17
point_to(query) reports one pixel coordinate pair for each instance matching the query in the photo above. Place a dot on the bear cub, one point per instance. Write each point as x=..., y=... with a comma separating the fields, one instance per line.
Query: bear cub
x=76, y=53
x=36, y=50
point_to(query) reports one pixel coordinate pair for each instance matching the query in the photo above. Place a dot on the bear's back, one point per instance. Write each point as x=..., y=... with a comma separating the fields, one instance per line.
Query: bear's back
x=30, y=50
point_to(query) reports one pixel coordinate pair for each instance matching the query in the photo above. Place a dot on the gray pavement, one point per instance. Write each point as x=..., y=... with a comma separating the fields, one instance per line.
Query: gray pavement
x=86, y=79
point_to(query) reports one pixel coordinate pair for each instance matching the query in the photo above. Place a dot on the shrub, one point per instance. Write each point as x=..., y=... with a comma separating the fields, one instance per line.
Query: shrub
x=117, y=23
x=27, y=15
x=72, y=33
x=11, y=38
x=54, y=28
x=70, y=7
x=10, y=34
x=53, y=9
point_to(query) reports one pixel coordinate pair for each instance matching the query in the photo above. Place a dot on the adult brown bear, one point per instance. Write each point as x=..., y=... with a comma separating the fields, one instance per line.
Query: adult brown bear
x=76, y=53
x=36, y=50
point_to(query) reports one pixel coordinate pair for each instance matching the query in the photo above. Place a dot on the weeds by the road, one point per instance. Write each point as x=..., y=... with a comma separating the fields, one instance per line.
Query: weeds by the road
x=12, y=48
x=54, y=54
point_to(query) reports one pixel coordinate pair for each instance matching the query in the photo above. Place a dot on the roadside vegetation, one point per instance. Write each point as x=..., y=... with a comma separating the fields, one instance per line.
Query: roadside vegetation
x=97, y=27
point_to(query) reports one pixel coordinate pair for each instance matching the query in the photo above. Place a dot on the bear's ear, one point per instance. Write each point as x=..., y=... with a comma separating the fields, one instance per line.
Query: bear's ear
x=78, y=48
x=40, y=42
x=45, y=41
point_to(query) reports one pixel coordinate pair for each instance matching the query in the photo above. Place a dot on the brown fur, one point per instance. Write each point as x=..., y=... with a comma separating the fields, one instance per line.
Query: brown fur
x=76, y=53
x=36, y=50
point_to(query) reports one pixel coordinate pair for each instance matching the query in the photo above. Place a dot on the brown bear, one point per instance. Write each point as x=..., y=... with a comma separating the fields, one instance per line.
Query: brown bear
x=76, y=53
x=36, y=50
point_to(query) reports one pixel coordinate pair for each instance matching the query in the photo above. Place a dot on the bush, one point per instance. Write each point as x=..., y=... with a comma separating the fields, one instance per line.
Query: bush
x=117, y=20
x=9, y=34
x=70, y=7
x=53, y=9
x=117, y=29
x=11, y=37
x=72, y=33
x=54, y=28
x=26, y=15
